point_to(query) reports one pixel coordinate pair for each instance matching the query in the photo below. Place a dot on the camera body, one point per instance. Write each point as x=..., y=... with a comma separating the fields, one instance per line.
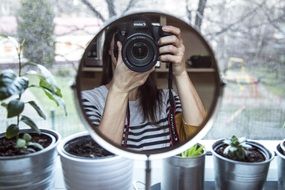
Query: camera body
x=140, y=49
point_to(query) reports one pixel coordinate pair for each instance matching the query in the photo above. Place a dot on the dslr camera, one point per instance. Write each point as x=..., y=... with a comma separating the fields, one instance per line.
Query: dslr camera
x=140, y=49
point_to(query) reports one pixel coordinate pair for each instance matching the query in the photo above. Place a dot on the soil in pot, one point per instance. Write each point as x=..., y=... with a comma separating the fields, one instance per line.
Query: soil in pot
x=86, y=147
x=253, y=154
x=8, y=146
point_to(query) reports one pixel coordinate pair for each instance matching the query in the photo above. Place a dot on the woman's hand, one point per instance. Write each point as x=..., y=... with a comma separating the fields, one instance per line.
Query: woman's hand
x=124, y=79
x=172, y=49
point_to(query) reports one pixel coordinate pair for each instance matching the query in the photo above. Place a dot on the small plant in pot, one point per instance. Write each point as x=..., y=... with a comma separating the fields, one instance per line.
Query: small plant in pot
x=185, y=171
x=86, y=165
x=26, y=155
x=240, y=164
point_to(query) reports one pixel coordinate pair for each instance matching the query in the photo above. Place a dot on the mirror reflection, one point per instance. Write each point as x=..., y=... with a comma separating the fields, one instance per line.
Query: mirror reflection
x=147, y=83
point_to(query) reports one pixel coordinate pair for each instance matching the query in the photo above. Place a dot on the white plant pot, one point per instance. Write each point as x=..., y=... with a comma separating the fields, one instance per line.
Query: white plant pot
x=103, y=173
x=33, y=171
x=282, y=146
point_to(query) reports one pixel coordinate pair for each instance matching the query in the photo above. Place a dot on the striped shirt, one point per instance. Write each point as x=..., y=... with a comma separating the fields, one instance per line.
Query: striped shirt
x=142, y=135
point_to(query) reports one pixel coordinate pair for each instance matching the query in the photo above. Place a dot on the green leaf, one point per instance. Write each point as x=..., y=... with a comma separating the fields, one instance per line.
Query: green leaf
x=37, y=108
x=236, y=149
x=195, y=150
x=51, y=96
x=47, y=80
x=12, y=131
x=58, y=100
x=27, y=137
x=50, y=86
x=46, y=74
x=15, y=108
x=35, y=145
x=21, y=143
x=11, y=84
x=28, y=121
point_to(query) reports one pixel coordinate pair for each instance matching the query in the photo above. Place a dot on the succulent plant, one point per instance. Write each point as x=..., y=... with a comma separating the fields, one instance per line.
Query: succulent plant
x=237, y=148
x=194, y=151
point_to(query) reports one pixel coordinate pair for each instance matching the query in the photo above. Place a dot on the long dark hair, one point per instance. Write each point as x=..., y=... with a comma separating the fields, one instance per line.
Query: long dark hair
x=149, y=95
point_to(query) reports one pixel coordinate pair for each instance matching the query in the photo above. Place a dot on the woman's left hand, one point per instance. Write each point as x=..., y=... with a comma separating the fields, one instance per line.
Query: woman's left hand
x=172, y=49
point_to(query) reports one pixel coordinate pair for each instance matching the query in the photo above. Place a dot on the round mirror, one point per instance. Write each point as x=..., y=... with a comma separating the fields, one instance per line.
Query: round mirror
x=148, y=85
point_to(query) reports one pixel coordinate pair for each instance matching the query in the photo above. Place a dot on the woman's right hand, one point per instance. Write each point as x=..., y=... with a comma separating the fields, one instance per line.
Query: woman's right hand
x=124, y=79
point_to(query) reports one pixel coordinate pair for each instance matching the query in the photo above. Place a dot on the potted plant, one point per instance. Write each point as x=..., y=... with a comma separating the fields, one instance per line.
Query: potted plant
x=281, y=164
x=86, y=165
x=185, y=171
x=26, y=155
x=240, y=164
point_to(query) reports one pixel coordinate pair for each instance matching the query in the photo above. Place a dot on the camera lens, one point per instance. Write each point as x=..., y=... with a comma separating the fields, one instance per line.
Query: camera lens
x=140, y=50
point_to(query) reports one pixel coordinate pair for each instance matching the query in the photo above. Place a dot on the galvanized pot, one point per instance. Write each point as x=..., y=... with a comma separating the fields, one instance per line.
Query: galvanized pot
x=183, y=173
x=104, y=173
x=236, y=175
x=33, y=171
x=281, y=167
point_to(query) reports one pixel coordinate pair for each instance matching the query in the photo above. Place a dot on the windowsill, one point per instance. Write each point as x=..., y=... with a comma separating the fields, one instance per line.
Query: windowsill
x=139, y=168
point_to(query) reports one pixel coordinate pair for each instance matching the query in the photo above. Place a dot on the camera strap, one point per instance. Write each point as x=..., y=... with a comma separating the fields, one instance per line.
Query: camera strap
x=174, y=138
x=171, y=115
x=126, y=128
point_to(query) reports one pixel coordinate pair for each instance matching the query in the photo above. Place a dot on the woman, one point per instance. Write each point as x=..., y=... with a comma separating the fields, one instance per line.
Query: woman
x=131, y=111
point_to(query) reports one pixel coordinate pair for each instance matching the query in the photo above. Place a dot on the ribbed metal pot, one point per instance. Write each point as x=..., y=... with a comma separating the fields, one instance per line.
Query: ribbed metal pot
x=183, y=173
x=107, y=173
x=235, y=175
x=281, y=167
x=33, y=171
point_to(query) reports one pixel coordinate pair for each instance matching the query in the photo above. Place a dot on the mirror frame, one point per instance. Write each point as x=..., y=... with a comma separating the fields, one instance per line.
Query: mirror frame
x=118, y=150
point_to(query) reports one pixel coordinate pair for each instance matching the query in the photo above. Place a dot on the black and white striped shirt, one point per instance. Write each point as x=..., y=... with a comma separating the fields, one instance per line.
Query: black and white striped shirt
x=142, y=135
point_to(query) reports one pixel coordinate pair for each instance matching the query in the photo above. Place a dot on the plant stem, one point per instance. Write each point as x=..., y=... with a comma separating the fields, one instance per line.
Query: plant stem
x=19, y=60
x=19, y=50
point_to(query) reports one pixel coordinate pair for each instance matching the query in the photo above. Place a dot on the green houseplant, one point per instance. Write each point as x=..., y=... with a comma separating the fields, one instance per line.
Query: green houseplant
x=186, y=170
x=240, y=163
x=26, y=155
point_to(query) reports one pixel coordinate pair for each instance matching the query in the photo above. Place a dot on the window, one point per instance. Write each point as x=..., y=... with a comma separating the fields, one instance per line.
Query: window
x=247, y=37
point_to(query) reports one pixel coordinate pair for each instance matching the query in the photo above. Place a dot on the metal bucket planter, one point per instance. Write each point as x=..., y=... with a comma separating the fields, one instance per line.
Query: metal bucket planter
x=183, y=173
x=32, y=171
x=103, y=173
x=281, y=167
x=236, y=175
